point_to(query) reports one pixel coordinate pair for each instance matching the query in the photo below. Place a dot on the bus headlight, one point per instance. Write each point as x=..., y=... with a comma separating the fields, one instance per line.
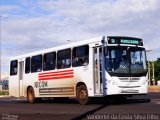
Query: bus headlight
x=145, y=82
x=111, y=82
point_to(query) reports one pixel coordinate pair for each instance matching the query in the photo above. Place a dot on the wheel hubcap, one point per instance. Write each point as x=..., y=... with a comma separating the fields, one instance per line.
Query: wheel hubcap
x=30, y=95
x=83, y=94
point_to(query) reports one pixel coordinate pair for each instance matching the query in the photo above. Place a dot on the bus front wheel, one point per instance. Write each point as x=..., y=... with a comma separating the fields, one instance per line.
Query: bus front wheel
x=82, y=95
x=30, y=95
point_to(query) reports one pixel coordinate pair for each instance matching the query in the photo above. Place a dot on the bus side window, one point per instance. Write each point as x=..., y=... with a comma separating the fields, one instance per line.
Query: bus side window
x=64, y=59
x=36, y=63
x=49, y=61
x=13, y=67
x=27, y=65
x=80, y=56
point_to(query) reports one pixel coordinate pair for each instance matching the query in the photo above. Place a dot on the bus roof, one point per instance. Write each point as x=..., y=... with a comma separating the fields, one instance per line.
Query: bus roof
x=70, y=45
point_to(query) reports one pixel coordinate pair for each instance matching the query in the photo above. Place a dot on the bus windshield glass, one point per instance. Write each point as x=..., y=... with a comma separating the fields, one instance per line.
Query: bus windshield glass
x=126, y=61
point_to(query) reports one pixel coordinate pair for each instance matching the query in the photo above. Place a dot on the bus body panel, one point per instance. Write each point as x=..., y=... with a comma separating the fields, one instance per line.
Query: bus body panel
x=115, y=87
x=63, y=82
x=13, y=86
x=16, y=81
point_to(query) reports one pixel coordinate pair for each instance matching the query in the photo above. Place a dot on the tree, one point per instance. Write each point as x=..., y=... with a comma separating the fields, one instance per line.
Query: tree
x=157, y=69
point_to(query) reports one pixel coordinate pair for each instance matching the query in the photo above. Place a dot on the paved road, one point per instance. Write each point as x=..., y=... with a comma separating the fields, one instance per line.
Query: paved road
x=137, y=107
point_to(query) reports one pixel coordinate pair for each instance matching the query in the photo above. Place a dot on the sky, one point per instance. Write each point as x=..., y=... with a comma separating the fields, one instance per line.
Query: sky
x=31, y=25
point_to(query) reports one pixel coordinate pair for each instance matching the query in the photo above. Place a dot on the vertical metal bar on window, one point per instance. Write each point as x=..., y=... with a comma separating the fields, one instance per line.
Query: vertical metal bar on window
x=98, y=68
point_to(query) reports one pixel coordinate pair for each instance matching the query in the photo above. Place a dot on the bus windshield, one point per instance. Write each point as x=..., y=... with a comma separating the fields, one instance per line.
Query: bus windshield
x=126, y=61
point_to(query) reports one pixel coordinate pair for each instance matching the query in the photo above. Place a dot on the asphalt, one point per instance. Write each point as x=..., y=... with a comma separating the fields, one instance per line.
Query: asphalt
x=136, y=108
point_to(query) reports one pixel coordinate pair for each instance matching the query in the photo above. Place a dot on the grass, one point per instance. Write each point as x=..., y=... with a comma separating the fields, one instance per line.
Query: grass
x=4, y=93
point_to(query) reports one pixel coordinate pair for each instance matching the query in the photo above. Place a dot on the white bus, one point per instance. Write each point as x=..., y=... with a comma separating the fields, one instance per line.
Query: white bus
x=98, y=67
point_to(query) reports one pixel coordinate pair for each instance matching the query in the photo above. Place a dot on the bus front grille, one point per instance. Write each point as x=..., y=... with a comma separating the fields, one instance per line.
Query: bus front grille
x=128, y=79
x=130, y=91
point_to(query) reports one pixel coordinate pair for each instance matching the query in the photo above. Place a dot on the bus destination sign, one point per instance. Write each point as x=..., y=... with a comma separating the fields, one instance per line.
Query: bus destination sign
x=125, y=40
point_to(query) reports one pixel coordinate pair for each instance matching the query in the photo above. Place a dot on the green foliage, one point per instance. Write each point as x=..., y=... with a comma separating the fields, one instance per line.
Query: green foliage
x=157, y=69
x=4, y=93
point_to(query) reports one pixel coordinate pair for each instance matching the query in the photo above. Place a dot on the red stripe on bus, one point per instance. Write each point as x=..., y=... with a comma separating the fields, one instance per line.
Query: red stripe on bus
x=54, y=78
x=56, y=72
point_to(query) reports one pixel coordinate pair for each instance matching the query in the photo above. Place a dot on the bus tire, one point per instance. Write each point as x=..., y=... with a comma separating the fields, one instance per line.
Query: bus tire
x=82, y=95
x=30, y=95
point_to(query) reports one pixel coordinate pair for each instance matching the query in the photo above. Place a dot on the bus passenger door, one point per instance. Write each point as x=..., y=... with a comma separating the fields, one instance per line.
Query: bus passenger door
x=21, y=71
x=98, y=88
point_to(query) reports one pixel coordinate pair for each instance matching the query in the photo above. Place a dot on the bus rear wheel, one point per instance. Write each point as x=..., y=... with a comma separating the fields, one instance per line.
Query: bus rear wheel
x=82, y=95
x=31, y=96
